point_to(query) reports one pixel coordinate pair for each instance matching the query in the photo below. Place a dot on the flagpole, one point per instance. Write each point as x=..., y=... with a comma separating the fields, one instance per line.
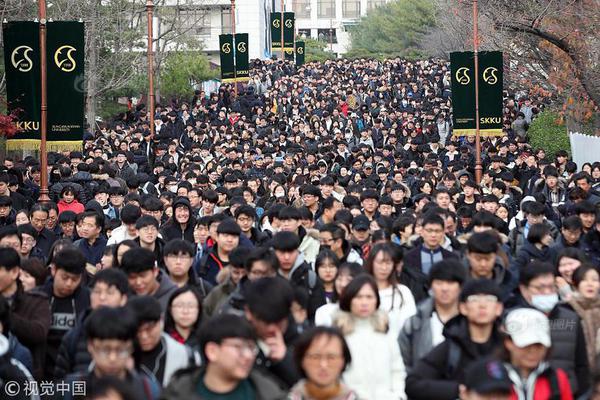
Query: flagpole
x=43, y=198
x=282, y=24
x=478, y=166
x=149, y=12
x=235, y=85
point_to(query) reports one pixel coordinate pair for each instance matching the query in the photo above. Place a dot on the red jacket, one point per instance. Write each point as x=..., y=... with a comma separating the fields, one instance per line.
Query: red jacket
x=74, y=206
x=542, y=389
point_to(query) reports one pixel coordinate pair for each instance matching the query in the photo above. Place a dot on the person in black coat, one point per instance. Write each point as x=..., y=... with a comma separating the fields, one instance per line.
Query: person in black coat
x=181, y=225
x=469, y=336
x=418, y=261
x=109, y=288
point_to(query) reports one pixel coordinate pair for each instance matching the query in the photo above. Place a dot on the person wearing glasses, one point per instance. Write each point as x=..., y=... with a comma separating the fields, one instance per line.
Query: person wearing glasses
x=111, y=348
x=228, y=346
x=322, y=355
x=178, y=258
x=471, y=335
x=155, y=350
x=537, y=289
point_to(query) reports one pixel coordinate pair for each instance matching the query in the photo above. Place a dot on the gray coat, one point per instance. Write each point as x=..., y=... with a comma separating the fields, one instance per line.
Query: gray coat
x=415, y=339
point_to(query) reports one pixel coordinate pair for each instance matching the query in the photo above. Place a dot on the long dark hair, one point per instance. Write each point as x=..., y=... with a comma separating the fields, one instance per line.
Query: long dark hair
x=170, y=322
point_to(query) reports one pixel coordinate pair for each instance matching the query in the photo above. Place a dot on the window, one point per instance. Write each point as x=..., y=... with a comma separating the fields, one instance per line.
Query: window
x=375, y=3
x=195, y=21
x=304, y=33
x=302, y=8
x=226, y=20
x=351, y=9
x=326, y=8
x=327, y=35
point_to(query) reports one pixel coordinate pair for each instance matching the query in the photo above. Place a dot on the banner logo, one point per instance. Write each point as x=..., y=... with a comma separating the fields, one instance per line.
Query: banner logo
x=289, y=23
x=462, y=76
x=300, y=50
x=276, y=23
x=22, y=62
x=66, y=63
x=489, y=75
x=226, y=48
x=241, y=47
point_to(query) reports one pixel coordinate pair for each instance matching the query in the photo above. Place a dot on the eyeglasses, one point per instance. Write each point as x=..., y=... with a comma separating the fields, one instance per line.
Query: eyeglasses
x=482, y=298
x=319, y=358
x=28, y=240
x=121, y=353
x=543, y=288
x=241, y=348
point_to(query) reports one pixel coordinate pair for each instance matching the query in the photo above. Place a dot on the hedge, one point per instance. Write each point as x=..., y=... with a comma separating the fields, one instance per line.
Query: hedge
x=547, y=133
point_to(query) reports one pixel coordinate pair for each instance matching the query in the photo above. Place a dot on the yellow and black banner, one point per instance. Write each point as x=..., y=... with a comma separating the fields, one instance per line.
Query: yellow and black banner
x=276, y=31
x=227, y=57
x=242, y=62
x=462, y=65
x=235, y=65
x=65, y=84
x=300, y=53
x=289, y=54
x=288, y=31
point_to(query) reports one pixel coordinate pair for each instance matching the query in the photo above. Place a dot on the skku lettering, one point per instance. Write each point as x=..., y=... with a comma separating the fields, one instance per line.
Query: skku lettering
x=490, y=120
x=28, y=125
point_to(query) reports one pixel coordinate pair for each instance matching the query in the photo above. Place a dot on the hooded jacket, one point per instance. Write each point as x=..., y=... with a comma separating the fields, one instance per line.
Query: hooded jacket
x=538, y=385
x=416, y=339
x=173, y=230
x=528, y=253
x=439, y=373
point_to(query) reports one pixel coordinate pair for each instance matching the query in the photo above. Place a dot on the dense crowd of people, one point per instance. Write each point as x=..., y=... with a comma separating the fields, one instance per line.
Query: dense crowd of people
x=320, y=236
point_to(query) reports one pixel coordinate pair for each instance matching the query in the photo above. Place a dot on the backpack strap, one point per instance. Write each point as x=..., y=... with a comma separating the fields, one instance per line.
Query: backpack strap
x=312, y=280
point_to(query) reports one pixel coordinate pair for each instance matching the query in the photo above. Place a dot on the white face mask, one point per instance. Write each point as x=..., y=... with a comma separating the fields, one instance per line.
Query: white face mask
x=279, y=194
x=544, y=302
x=172, y=189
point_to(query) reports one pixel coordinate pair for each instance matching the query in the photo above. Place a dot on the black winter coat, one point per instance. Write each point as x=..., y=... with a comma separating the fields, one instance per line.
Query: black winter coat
x=441, y=371
x=73, y=355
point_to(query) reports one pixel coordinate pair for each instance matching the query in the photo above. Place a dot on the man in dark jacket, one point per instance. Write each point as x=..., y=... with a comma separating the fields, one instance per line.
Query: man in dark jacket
x=245, y=216
x=178, y=259
x=537, y=289
x=229, y=348
x=110, y=336
x=418, y=261
x=30, y=311
x=181, y=225
x=274, y=327
x=109, y=288
x=423, y=331
x=69, y=299
x=570, y=233
x=39, y=217
x=483, y=262
x=144, y=276
x=227, y=239
x=469, y=336
x=293, y=268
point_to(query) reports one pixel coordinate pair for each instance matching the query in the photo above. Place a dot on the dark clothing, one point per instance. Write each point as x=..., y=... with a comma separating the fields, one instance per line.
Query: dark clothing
x=210, y=265
x=143, y=385
x=45, y=240
x=65, y=311
x=184, y=385
x=413, y=277
x=30, y=322
x=93, y=254
x=304, y=277
x=173, y=230
x=529, y=253
x=73, y=355
x=438, y=374
x=568, y=342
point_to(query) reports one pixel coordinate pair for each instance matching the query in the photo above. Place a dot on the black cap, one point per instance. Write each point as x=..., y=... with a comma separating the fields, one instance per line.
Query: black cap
x=487, y=376
x=229, y=226
x=361, y=223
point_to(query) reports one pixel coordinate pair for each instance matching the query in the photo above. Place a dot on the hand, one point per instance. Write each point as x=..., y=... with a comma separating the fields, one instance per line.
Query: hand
x=277, y=347
x=561, y=282
x=462, y=392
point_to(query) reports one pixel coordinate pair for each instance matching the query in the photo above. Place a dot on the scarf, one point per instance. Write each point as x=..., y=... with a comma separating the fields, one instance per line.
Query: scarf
x=589, y=311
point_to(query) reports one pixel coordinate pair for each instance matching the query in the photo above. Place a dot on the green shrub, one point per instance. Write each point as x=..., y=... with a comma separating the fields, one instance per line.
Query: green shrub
x=548, y=133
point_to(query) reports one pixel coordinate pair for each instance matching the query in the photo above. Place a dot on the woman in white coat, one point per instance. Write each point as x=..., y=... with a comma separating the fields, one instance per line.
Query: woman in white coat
x=396, y=299
x=377, y=371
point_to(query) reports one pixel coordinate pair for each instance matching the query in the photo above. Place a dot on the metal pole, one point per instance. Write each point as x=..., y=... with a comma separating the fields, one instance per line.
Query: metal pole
x=43, y=198
x=331, y=35
x=282, y=24
x=149, y=12
x=235, y=85
x=478, y=167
